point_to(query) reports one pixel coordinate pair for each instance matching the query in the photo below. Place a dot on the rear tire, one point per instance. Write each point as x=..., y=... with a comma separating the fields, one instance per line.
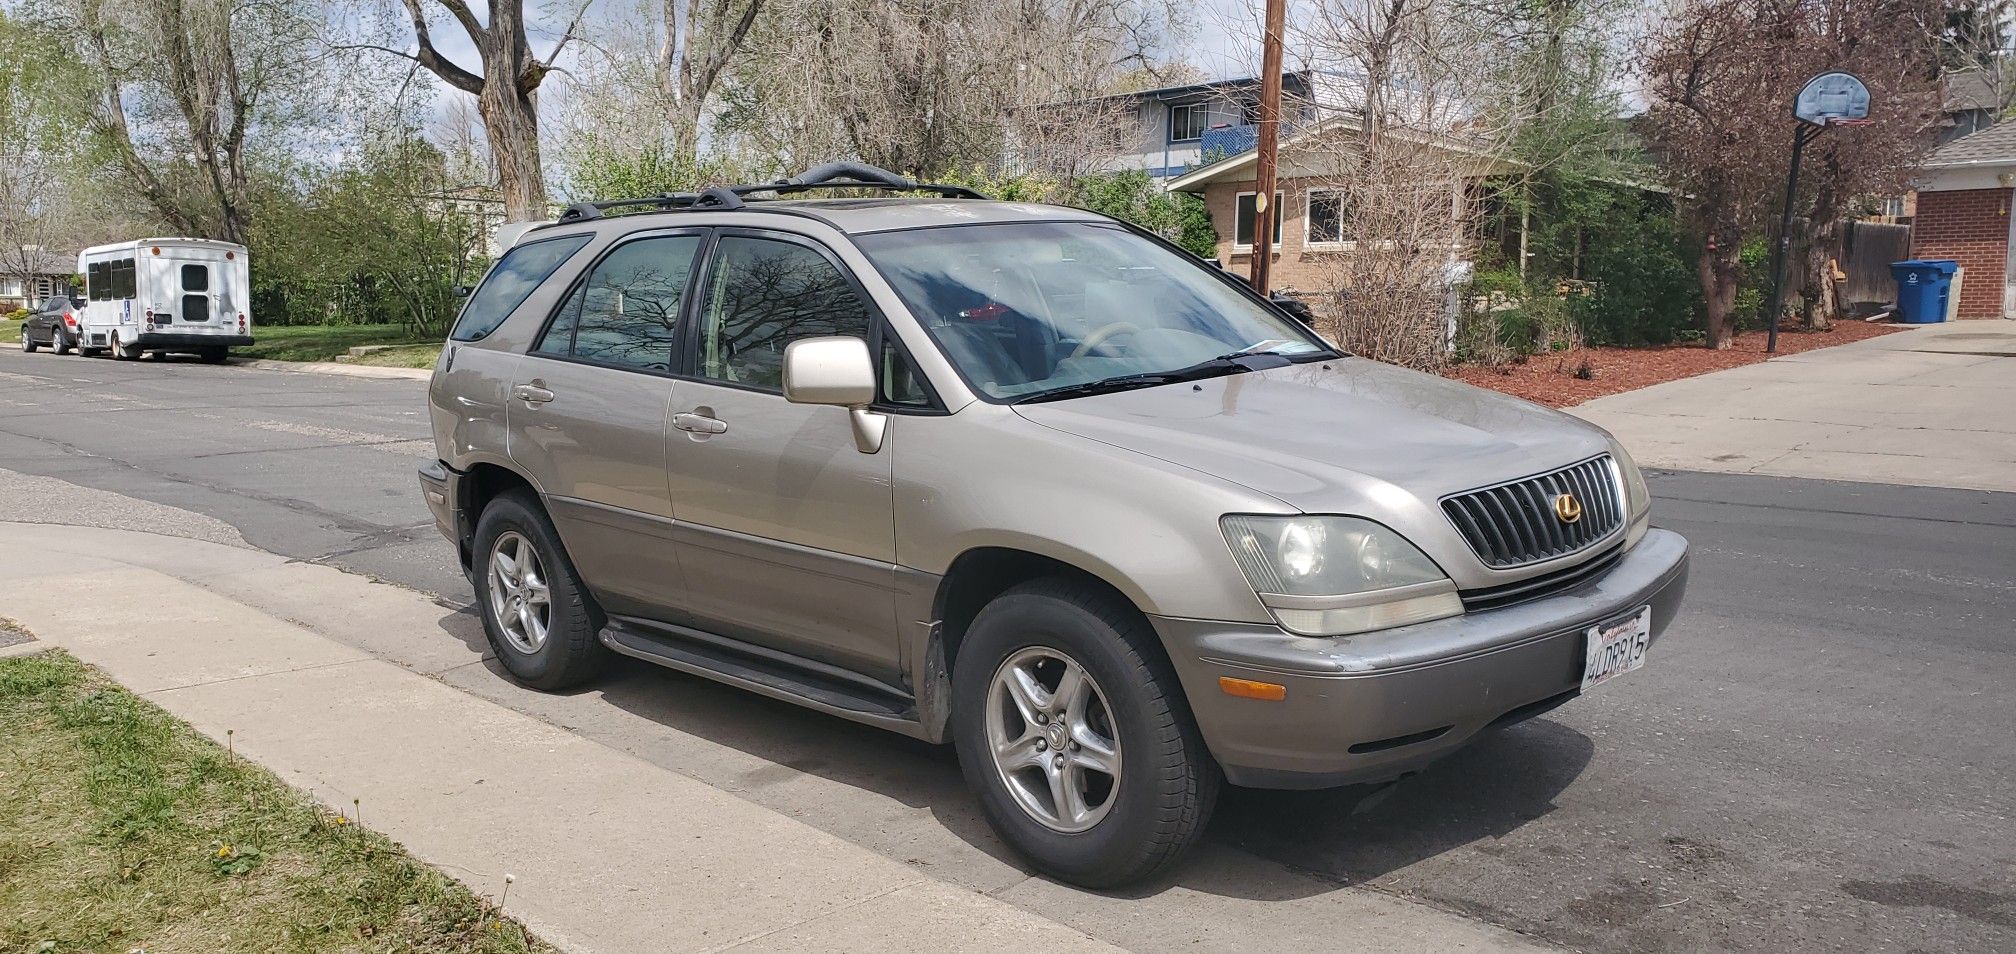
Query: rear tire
x=1154, y=808
x=541, y=622
x=61, y=344
x=213, y=355
x=126, y=352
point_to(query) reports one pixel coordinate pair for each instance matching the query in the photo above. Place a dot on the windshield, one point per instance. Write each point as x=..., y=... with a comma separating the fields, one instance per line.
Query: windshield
x=1028, y=308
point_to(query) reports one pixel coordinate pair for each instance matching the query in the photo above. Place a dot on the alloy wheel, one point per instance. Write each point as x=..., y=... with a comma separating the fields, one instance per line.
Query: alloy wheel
x=519, y=598
x=1053, y=740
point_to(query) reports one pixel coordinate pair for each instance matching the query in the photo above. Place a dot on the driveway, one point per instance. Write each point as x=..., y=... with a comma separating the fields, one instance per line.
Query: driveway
x=1932, y=407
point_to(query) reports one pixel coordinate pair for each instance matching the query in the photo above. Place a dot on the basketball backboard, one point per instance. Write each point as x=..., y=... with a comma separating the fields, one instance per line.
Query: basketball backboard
x=1832, y=98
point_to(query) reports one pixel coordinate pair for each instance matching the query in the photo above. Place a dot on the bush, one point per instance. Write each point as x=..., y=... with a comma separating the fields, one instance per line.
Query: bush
x=1132, y=196
x=18, y=314
x=1642, y=286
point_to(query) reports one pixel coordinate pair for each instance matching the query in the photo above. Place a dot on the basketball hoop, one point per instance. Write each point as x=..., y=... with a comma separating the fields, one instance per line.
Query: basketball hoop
x=1832, y=99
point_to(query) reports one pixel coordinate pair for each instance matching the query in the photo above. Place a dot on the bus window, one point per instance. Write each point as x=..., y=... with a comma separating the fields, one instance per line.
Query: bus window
x=122, y=278
x=98, y=279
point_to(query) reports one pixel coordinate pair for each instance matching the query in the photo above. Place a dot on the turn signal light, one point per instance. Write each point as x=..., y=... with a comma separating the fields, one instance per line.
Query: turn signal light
x=1249, y=689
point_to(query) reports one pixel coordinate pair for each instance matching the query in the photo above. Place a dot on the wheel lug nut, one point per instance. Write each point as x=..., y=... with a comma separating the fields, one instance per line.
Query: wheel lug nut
x=1041, y=745
x=1058, y=761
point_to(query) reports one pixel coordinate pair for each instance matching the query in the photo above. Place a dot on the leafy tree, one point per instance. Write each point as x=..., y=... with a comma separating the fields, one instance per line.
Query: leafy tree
x=1722, y=75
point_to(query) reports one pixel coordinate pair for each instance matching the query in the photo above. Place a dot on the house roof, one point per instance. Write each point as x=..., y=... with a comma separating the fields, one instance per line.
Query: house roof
x=1967, y=90
x=46, y=262
x=1994, y=146
x=1191, y=89
x=1231, y=168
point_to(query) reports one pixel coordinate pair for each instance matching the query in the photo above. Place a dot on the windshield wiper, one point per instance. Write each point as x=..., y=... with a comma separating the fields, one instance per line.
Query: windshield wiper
x=1233, y=363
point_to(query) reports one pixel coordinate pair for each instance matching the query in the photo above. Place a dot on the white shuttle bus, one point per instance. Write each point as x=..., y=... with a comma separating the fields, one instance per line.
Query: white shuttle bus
x=162, y=295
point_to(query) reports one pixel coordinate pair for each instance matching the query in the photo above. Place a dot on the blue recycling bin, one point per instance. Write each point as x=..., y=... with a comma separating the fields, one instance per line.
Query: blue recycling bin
x=1922, y=287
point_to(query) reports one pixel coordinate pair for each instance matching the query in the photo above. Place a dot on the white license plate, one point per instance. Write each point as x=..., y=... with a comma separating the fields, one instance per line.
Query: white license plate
x=1615, y=648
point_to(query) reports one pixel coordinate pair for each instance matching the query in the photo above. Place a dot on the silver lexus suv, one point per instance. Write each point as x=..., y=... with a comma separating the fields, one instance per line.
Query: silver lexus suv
x=1028, y=481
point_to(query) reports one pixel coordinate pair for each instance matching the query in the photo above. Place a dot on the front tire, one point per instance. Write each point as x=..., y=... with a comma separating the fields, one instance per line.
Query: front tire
x=1071, y=728
x=541, y=622
x=28, y=345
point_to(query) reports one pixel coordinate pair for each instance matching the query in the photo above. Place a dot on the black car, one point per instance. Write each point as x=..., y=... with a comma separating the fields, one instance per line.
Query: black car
x=54, y=325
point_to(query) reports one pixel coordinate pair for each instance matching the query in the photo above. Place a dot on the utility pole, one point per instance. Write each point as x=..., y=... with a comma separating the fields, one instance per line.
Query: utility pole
x=1270, y=142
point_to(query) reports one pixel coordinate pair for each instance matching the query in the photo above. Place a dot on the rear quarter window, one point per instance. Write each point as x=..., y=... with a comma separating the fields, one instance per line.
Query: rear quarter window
x=510, y=282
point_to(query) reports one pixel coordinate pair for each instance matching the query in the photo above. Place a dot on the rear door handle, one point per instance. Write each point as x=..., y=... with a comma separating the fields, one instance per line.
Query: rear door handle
x=699, y=423
x=531, y=394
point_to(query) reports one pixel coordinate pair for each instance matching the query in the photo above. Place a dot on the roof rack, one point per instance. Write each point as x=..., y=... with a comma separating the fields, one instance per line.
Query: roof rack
x=832, y=175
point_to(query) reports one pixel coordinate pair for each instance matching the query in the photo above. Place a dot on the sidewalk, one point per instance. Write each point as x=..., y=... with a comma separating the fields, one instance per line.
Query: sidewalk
x=609, y=852
x=1932, y=406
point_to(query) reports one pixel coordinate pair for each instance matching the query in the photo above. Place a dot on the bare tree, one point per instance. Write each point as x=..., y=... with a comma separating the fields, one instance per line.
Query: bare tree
x=506, y=88
x=216, y=63
x=1394, y=170
x=927, y=86
x=699, y=40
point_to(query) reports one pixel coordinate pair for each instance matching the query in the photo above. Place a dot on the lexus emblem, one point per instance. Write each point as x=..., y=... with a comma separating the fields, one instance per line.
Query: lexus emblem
x=1567, y=509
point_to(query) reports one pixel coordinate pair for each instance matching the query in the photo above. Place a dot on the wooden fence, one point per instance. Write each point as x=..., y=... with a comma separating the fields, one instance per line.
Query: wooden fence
x=1871, y=247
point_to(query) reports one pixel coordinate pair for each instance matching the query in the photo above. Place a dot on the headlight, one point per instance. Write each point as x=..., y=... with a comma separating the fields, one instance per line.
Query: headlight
x=1329, y=575
x=1637, y=497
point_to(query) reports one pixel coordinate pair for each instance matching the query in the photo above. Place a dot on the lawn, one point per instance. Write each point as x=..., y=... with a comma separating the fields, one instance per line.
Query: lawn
x=122, y=829
x=324, y=342
x=10, y=330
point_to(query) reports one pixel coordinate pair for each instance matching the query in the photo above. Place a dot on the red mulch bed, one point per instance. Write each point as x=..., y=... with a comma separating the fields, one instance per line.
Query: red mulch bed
x=1550, y=378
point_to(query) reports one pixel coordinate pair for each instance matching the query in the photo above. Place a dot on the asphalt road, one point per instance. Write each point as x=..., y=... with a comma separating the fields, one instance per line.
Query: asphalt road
x=1819, y=756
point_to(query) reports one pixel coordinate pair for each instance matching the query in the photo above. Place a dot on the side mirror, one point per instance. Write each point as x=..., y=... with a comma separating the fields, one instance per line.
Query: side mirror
x=464, y=291
x=838, y=372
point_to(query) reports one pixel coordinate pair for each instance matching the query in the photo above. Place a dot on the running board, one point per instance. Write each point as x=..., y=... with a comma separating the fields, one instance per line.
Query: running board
x=771, y=673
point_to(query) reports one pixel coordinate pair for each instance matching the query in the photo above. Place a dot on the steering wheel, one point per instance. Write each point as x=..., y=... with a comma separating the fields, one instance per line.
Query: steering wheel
x=1099, y=336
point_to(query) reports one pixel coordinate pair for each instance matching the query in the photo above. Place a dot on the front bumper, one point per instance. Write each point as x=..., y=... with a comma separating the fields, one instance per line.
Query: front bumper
x=1375, y=706
x=171, y=341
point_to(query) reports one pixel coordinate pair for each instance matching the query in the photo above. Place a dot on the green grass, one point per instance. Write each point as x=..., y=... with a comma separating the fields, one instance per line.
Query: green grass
x=123, y=829
x=322, y=342
x=403, y=356
x=11, y=330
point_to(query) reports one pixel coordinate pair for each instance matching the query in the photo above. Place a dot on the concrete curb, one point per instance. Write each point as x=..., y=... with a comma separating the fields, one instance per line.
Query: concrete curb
x=609, y=852
x=331, y=367
x=310, y=367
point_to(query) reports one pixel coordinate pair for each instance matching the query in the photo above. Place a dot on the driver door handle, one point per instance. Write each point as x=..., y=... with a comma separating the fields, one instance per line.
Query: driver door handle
x=531, y=394
x=699, y=423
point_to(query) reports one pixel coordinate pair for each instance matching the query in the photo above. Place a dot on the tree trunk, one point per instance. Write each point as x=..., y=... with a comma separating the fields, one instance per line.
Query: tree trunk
x=511, y=119
x=1819, y=300
x=1719, y=272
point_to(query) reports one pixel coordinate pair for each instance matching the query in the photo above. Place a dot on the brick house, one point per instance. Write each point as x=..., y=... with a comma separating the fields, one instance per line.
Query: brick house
x=1964, y=195
x=1311, y=235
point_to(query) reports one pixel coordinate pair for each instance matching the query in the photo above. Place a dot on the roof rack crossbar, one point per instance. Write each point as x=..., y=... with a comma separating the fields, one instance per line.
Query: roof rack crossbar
x=832, y=175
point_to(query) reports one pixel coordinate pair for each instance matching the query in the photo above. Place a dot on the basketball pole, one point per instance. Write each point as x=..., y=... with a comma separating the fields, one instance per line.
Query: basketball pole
x=1801, y=135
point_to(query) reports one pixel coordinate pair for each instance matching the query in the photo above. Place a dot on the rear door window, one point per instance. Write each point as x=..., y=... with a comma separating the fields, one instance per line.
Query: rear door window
x=627, y=311
x=510, y=282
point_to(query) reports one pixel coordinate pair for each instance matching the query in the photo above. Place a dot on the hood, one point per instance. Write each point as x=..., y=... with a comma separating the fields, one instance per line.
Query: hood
x=1348, y=435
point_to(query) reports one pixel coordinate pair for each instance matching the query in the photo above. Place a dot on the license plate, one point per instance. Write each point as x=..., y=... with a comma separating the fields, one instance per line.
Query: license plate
x=1615, y=648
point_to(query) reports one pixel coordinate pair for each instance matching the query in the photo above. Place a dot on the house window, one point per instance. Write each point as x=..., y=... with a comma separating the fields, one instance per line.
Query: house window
x=1325, y=223
x=1188, y=122
x=1242, y=228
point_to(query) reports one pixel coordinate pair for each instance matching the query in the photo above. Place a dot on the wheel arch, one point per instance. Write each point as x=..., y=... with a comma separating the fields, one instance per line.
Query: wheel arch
x=974, y=578
x=482, y=482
